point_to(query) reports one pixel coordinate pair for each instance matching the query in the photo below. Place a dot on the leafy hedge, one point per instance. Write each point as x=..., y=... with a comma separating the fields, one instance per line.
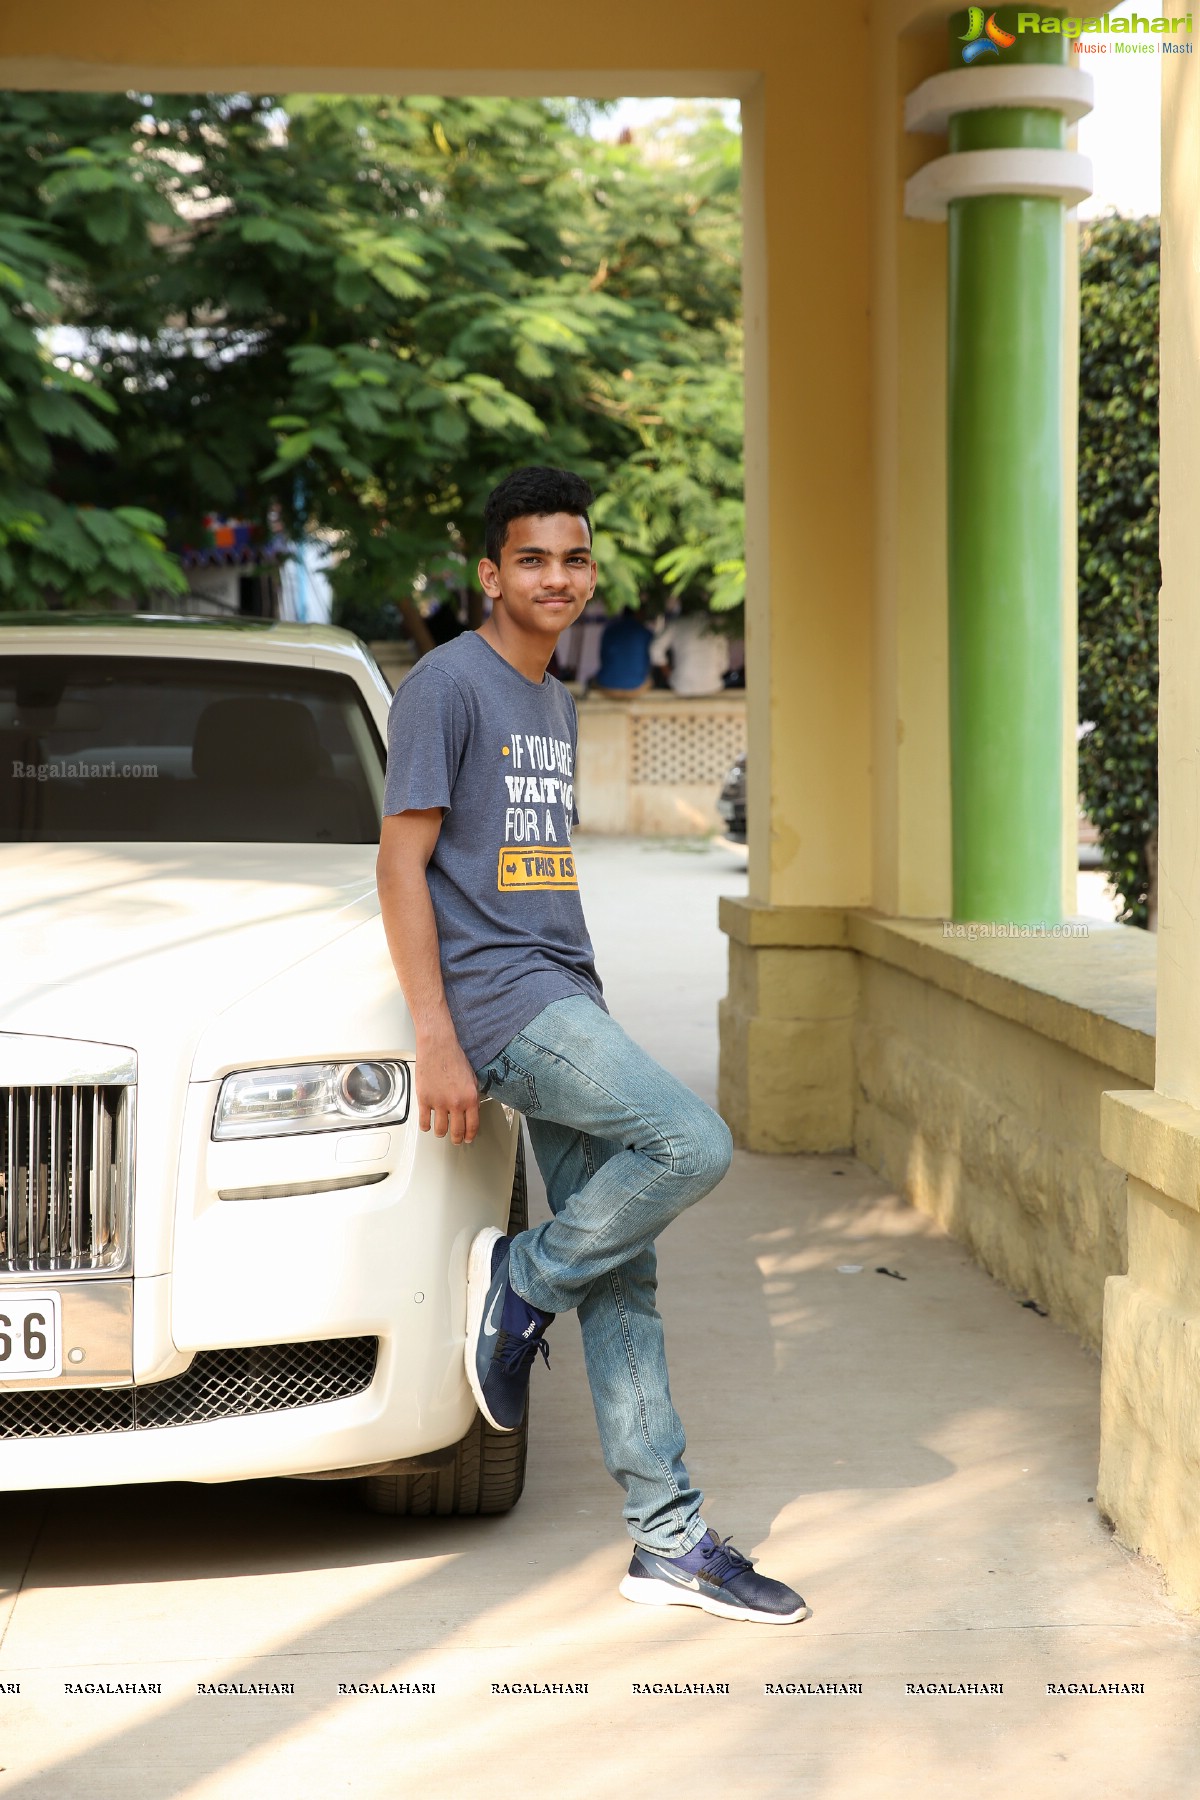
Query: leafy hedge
x=1118, y=549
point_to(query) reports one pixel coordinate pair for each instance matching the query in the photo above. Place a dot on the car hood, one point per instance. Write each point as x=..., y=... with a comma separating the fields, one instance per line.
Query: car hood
x=132, y=943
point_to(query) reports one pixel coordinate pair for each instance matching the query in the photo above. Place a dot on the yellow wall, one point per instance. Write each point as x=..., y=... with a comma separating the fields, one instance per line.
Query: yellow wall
x=814, y=608
x=1070, y=575
x=994, y=1130
x=1178, y=1071
x=911, y=748
x=1149, y=1479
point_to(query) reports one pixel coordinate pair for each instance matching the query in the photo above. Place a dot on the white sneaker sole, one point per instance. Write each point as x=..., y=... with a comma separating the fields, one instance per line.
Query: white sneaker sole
x=479, y=1280
x=647, y=1592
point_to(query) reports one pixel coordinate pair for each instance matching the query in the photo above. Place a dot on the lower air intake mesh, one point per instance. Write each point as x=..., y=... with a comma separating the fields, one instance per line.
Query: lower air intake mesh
x=220, y=1384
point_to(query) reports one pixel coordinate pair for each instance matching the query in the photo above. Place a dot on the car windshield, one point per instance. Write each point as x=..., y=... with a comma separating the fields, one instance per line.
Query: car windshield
x=119, y=749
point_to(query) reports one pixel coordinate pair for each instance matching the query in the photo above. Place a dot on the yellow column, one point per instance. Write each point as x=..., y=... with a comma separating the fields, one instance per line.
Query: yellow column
x=847, y=707
x=786, y=1063
x=911, y=746
x=1149, y=1484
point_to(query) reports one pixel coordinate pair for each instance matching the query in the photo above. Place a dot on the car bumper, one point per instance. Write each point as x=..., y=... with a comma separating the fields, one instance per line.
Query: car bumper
x=384, y=1422
x=384, y=1260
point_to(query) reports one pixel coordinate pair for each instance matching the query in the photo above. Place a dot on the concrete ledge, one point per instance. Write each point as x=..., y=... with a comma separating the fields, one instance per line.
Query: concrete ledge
x=760, y=926
x=1095, y=994
x=1155, y=1139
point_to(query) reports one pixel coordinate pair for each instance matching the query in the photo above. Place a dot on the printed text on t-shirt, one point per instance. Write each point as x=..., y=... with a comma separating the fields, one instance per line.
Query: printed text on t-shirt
x=545, y=779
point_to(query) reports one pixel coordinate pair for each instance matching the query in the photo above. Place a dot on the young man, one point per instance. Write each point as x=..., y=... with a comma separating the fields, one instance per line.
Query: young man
x=481, y=906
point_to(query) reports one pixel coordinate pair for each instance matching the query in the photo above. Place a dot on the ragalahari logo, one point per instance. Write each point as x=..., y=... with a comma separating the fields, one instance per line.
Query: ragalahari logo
x=983, y=37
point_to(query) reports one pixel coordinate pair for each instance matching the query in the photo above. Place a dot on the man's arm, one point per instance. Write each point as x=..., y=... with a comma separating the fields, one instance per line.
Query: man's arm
x=447, y=1091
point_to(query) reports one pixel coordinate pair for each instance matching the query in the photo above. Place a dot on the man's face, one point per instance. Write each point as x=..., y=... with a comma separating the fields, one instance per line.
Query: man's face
x=545, y=576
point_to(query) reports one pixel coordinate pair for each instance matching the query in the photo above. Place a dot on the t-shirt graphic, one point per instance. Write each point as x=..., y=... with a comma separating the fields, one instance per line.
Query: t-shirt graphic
x=468, y=733
x=528, y=858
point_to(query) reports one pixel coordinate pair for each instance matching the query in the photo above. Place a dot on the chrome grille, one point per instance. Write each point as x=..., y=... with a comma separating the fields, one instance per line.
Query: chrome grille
x=66, y=1162
x=219, y=1384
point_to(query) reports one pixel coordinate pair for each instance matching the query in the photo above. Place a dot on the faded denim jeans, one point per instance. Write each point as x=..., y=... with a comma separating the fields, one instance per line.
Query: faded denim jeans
x=623, y=1147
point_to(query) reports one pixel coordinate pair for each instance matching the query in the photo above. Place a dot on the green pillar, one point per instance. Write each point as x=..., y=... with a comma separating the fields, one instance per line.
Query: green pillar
x=1005, y=513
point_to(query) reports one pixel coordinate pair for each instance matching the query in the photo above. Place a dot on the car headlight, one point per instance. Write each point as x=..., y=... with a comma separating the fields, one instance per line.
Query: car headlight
x=330, y=1096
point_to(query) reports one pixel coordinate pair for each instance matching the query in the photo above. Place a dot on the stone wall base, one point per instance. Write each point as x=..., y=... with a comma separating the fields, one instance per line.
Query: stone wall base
x=996, y=1134
x=969, y=1072
x=1149, y=1480
x=786, y=1074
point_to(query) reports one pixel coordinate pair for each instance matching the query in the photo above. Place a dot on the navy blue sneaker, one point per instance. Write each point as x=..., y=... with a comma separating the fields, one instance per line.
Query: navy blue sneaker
x=717, y=1578
x=504, y=1333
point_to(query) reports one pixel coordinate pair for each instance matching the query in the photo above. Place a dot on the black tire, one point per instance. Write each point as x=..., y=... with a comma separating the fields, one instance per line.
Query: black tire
x=487, y=1474
x=518, y=1205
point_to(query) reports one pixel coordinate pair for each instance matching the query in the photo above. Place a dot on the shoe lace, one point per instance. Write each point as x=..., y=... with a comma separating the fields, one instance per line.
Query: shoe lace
x=512, y=1352
x=722, y=1560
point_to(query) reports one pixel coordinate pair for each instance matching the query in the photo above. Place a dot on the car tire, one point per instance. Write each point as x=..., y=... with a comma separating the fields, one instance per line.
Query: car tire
x=487, y=1474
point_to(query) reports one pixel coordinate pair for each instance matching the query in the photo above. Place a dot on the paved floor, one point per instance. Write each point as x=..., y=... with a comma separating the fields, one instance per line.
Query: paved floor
x=916, y=1455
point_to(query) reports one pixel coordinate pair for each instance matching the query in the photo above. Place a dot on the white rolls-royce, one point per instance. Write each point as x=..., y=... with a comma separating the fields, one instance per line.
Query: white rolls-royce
x=226, y=1250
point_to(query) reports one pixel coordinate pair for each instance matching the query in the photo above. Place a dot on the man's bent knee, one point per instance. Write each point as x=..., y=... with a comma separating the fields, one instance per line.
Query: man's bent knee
x=722, y=1148
x=708, y=1148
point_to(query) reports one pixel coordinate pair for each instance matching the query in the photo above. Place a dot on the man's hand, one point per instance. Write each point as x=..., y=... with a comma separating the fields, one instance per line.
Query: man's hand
x=447, y=1091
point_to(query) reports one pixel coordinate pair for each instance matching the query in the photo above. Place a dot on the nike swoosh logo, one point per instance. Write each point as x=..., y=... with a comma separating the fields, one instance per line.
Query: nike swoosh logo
x=490, y=1330
x=682, y=1580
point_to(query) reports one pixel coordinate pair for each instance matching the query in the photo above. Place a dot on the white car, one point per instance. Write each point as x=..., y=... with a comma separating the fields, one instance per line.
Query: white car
x=226, y=1250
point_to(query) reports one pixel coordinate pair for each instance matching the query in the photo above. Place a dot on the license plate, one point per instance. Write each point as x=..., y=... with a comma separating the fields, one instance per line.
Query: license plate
x=30, y=1335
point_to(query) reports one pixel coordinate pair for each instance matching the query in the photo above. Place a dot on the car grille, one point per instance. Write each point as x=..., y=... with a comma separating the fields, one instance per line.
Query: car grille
x=66, y=1178
x=220, y=1384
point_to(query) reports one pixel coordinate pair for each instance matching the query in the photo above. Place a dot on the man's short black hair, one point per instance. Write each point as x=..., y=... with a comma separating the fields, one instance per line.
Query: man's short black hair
x=532, y=491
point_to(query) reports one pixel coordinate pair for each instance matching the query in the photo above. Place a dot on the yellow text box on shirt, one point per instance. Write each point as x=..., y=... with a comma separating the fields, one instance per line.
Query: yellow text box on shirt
x=525, y=868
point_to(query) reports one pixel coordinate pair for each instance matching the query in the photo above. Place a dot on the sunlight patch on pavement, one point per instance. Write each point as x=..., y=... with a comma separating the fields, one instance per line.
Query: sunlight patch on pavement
x=284, y=1604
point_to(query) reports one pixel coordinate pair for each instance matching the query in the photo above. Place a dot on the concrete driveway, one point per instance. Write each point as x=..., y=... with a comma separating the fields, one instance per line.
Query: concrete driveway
x=915, y=1454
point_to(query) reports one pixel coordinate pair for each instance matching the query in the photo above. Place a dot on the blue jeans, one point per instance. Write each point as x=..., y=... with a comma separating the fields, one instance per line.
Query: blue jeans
x=623, y=1147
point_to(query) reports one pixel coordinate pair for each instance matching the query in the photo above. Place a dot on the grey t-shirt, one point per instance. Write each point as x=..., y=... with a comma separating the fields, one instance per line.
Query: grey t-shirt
x=468, y=732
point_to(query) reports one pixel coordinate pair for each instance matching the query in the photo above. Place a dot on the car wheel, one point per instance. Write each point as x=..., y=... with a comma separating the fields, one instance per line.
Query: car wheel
x=487, y=1473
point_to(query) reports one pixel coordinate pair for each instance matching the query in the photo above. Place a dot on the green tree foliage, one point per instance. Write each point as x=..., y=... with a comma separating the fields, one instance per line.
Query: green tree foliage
x=353, y=315
x=53, y=413
x=1118, y=548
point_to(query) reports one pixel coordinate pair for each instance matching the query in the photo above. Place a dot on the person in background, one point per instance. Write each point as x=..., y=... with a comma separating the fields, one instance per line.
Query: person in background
x=699, y=655
x=624, y=658
x=577, y=652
